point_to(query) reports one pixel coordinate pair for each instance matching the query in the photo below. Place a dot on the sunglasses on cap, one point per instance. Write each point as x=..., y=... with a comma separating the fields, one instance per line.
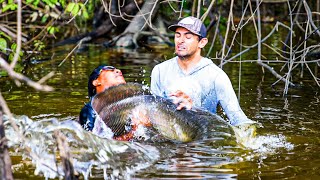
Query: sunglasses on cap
x=106, y=68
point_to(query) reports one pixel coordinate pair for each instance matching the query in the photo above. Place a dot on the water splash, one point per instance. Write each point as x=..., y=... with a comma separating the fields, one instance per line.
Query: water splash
x=89, y=152
x=261, y=144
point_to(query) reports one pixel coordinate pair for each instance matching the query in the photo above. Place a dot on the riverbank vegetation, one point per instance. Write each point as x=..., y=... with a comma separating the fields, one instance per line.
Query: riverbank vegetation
x=27, y=28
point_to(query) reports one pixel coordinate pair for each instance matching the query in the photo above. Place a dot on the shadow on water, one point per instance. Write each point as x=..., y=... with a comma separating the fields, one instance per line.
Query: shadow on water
x=286, y=146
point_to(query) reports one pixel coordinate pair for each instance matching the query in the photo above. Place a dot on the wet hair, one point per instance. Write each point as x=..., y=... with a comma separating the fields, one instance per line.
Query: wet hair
x=93, y=76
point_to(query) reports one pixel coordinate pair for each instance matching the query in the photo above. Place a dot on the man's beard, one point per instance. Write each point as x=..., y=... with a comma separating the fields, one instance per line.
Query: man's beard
x=184, y=57
x=187, y=54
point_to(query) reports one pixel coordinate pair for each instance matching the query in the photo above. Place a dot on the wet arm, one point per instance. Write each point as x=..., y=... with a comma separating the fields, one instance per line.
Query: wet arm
x=155, y=82
x=229, y=102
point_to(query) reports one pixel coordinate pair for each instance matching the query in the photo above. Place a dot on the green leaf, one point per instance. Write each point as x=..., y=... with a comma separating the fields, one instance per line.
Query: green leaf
x=5, y=35
x=85, y=15
x=44, y=18
x=10, y=58
x=14, y=47
x=62, y=2
x=84, y=12
x=70, y=7
x=39, y=45
x=12, y=7
x=49, y=3
x=3, y=45
x=36, y=2
x=50, y=30
x=3, y=73
x=75, y=10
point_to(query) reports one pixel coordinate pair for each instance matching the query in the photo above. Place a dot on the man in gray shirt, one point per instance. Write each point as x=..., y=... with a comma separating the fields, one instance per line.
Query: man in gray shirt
x=195, y=81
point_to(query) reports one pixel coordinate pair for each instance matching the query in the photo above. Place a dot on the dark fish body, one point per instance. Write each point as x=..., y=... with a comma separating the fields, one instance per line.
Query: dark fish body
x=118, y=109
x=116, y=93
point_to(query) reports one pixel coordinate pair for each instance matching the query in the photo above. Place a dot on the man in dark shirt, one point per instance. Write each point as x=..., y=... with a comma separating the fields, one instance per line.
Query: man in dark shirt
x=100, y=79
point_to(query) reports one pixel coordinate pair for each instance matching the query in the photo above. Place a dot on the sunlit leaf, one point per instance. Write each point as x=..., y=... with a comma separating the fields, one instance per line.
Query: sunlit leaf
x=49, y=3
x=14, y=47
x=11, y=7
x=5, y=35
x=10, y=58
x=52, y=30
x=70, y=7
x=84, y=12
x=39, y=45
x=3, y=73
x=44, y=18
x=3, y=45
x=85, y=15
x=75, y=10
x=36, y=2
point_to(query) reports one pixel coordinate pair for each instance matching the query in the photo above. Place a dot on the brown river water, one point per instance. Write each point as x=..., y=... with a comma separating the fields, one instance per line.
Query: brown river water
x=286, y=147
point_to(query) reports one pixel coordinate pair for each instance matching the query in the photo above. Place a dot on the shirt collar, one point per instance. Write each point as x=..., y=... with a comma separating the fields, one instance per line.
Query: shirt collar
x=201, y=64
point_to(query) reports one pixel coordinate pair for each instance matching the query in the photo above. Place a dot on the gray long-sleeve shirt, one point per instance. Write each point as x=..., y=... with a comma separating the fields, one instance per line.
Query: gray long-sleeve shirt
x=206, y=84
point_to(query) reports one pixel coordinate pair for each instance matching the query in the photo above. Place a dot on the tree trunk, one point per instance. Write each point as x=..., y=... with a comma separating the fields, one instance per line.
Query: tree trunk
x=139, y=23
x=5, y=161
x=106, y=26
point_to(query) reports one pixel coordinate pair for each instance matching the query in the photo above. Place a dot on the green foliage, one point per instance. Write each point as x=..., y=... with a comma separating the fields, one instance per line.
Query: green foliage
x=3, y=41
x=10, y=5
x=5, y=35
x=44, y=18
x=77, y=9
x=34, y=2
x=51, y=30
x=14, y=48
x=50, y=3
x=3, y=73
x=219, y=2
x=39, y=45
x=3, y=45
x=63, y=3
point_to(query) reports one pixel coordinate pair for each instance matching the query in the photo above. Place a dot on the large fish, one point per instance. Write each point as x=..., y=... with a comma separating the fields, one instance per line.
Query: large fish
x=125, y=106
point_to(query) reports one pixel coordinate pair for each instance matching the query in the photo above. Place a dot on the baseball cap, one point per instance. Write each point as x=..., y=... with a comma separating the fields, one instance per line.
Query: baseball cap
x=94, y=75
x=193, y=24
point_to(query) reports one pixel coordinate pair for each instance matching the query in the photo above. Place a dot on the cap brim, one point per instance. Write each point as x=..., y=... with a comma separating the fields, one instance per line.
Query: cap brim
x=175, y=26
